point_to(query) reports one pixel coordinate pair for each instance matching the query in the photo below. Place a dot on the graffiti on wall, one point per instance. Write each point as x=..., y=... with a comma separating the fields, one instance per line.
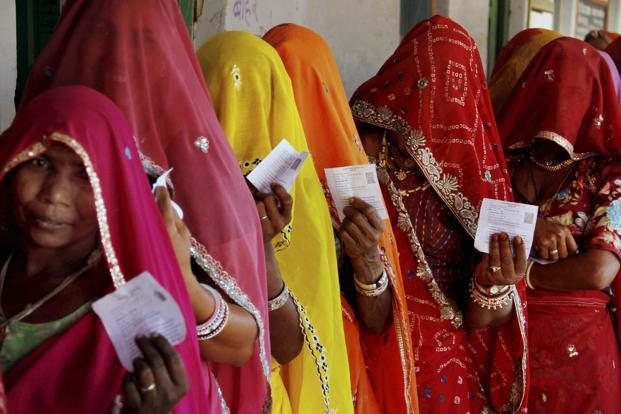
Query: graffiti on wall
x=246, y=11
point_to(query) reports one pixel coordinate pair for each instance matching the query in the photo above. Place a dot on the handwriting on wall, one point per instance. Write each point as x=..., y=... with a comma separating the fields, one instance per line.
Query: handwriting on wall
x=246, y=11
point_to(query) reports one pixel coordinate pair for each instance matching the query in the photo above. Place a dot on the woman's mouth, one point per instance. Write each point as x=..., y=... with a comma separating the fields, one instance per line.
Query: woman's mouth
x=46, y=223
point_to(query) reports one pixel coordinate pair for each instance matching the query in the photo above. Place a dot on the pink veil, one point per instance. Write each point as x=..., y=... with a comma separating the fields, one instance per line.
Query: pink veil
x=77, y=371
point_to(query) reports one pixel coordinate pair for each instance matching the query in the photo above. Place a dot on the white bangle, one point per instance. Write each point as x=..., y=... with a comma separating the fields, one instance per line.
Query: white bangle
x=373, y=289
x=280, y=300
x=529, y=267
x=218, y=319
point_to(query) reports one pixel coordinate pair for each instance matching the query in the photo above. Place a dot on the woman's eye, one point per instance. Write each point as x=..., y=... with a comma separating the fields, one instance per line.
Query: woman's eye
x=40, y=162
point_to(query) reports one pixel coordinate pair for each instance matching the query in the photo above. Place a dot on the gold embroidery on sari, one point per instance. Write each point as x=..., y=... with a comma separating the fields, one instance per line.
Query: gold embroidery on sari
x=446, y=185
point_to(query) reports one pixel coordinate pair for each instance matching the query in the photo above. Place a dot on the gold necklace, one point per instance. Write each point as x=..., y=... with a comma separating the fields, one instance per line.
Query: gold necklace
x=550, y=165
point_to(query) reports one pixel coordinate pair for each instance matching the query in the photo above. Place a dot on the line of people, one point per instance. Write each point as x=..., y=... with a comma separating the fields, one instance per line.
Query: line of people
x=288, y=308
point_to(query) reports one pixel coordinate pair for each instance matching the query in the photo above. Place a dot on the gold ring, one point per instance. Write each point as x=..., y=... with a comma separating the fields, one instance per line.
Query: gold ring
x=147, y=389
x=495, y=269
x=264, y=218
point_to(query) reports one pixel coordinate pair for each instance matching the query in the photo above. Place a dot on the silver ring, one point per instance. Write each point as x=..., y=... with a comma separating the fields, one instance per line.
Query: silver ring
x=148, y=389
x=495, y=269
x=555, y=251
x=264, y=218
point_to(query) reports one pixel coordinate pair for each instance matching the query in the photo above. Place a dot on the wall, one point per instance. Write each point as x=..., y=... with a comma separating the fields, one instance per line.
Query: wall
x=8, y=64
x=473, y=15
x=361, y=35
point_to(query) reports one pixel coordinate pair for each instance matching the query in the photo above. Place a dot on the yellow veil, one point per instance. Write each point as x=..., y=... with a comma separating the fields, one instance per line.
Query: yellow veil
x=254, y=101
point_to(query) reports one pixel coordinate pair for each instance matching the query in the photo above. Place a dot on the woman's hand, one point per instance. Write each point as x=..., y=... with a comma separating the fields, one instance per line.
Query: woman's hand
x=499, y=267
x=179, y=236
x=274, y=211
x=360, y=233
x=159, y=380
x=553, y=241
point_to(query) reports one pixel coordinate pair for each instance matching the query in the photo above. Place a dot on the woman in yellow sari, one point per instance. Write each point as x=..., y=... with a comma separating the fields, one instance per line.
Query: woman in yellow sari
x=381, y=365
x=513, y=60
x=255, y=104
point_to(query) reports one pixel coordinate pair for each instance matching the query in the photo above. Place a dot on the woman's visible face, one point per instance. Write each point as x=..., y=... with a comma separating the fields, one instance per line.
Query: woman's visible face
x=53, y=203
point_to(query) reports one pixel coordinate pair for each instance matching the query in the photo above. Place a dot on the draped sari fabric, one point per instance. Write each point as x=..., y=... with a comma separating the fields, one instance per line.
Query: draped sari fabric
x=77, y=371
x=569, y=98
x=334, y=142
x=614, y=72
x=513, y=59
x=431, y=97
x=254, y=102
x=614, y=48
x=139, y=54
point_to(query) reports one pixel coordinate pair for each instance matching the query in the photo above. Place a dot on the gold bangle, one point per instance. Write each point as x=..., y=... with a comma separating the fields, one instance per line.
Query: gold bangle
x=489, y=302
x=529, y=267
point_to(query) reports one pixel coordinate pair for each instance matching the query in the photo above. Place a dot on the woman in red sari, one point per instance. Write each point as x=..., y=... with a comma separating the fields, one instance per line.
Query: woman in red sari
x=561, y=131
x=78, y=221
x=426, y=118
x=139, y=54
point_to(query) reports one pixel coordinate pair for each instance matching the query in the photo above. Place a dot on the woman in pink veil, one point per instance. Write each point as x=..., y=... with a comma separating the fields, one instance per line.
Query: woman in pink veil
x=139, y=54
x=75, y=369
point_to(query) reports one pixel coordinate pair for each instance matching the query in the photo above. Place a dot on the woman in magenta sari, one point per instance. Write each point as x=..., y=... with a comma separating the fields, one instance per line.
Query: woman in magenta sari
x=427, y=120
x=139, y=54
x=561, y=131
x=78, y=221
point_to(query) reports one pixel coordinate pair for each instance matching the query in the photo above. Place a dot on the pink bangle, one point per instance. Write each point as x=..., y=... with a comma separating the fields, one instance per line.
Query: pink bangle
x=218, y=319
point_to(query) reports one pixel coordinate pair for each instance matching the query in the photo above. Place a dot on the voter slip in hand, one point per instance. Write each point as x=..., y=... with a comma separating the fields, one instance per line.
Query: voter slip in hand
x=281, y=166
x=139, y=307
x=161, y=182
x=358, y=181
x=515, y=219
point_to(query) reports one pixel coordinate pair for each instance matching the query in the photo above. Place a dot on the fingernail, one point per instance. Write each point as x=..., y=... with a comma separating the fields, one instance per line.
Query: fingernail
x=518, y=240
x=504, y=236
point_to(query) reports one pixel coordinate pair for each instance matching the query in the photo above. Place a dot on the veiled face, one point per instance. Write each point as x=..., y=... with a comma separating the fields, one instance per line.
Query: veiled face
x=547, y=150
x=53, y=202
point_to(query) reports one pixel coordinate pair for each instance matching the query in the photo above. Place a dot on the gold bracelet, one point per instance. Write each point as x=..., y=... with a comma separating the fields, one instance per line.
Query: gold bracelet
x=529, y=267
x=489, y=302
x=373, y=289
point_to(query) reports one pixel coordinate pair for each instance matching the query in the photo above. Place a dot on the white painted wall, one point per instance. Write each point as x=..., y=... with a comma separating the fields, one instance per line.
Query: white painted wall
x=518, y=16
x=8, y=63
x=361, y=34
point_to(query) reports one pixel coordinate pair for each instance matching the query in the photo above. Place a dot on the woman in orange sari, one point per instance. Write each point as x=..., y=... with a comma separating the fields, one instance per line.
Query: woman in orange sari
x=427, y=119
x=512, y=61
x=389, y=385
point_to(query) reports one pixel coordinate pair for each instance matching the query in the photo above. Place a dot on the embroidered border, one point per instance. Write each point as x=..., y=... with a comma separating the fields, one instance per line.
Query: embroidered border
x=445, y=185
x=559, y=140
x=403, y=340
x=317, y=351
x=423, y=271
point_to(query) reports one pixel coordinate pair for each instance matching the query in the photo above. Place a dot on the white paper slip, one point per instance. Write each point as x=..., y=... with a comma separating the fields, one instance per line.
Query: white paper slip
x=140, y=307
x=161, y=182
x=498, y=216
x=281, y=166
x=358, y=181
